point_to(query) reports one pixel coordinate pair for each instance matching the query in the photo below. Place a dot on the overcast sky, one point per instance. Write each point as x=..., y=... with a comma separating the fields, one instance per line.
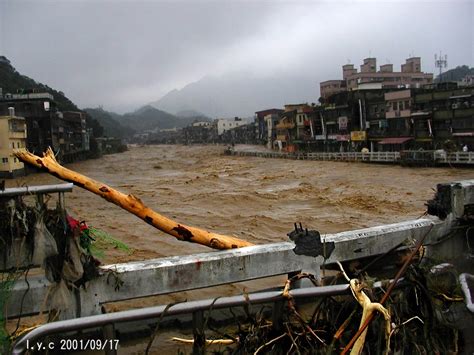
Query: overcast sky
x=123, y=54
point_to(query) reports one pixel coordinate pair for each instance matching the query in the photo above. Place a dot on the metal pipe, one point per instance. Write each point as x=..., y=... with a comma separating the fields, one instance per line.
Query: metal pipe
x=29, y=190
x=181, y=308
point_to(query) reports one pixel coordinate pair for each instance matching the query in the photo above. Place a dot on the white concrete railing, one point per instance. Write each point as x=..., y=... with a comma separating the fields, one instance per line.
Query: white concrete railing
x=454, y=158
x=386, y=157
x=459, y=158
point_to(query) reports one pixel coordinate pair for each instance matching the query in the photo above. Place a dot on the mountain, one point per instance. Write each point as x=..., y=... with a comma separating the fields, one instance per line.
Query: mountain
x=110, y=122
x=238, y=94
x=13, y=82
x=149, y=118
x=190, y=113
x=146, y=118
x=455, y=74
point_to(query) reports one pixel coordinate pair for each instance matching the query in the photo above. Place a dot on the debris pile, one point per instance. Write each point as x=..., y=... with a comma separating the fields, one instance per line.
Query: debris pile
x=32, y=236
x=419, y=318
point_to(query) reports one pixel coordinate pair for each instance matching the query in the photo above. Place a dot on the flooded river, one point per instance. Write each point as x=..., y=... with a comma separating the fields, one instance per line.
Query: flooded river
x=255, y=199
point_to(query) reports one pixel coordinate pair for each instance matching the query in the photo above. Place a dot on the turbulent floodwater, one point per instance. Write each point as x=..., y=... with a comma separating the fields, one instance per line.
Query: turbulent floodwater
x=252, y=198
x=255, y=199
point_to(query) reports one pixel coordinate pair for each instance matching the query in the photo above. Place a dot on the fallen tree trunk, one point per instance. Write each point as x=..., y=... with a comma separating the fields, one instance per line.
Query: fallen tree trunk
x=131, y=203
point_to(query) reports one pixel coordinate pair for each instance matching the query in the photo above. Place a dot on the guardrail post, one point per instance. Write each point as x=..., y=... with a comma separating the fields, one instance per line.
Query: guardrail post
x=277, y=315
x=198, y=333
x=109, y=336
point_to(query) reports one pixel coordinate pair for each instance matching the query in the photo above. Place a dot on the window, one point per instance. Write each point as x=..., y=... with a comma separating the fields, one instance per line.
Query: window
x=4, y=160
x=14, y=159
x=18, y=144
x=13, y=145
x=394, y=106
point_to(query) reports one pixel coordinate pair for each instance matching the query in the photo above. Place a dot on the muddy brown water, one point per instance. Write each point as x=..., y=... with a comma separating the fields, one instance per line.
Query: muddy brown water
x=256, y=199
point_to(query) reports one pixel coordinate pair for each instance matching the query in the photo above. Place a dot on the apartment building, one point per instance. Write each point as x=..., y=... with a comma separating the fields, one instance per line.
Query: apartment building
x=409, y=76
x=12, y=136
x=65, y=132
x=226, y=125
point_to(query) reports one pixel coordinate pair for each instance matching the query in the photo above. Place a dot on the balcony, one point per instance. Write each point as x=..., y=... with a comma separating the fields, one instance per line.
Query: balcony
x=17, y=135
x=397, y=114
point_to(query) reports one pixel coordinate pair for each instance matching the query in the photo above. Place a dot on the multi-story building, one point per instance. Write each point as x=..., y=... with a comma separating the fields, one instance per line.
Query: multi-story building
x=444, y=115
x=12, y=136
x=72, y=133
x=271, y=121
x=286, y=131
x=39, y=111
x=260, y=124
x=409, y=76
x=225, y=125
x=434, y=117
x=65, y=133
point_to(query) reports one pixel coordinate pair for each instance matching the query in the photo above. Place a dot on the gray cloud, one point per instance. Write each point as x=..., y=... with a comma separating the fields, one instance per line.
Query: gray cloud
x=122, y=54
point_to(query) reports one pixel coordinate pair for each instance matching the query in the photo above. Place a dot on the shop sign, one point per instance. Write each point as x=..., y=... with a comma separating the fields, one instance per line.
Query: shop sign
x=358, y=136
x=342, y=122
x=343, y=137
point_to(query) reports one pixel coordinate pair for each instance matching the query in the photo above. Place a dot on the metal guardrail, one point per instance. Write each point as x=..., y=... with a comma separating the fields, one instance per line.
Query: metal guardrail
x=102, y=320
x=36, y=190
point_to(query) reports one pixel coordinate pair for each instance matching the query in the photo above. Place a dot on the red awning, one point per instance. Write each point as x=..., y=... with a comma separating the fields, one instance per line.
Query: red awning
x=397, y=140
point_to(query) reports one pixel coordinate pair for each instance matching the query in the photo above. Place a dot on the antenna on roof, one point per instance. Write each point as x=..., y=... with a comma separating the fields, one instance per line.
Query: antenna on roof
x=441, y=62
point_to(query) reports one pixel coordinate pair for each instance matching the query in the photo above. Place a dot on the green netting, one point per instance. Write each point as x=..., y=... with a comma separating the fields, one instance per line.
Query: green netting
x=105, y=238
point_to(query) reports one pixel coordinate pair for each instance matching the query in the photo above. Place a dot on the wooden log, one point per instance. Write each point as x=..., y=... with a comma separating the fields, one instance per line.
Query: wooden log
x=131, y=203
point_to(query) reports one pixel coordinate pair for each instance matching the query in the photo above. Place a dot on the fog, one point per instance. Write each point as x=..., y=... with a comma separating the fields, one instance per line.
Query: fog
x=124, y=54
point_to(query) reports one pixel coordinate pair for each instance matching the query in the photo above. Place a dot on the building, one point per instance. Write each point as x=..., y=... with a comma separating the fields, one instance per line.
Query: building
x=409, y=76
x=271, y=121
x=292, y=130
x=12, y=136
x=260, y=124
x=226, y=125
x=72, y=134
x=65, y=132
x=397, y=130
x=444, y=116
x=201, y=124
x=39, y=111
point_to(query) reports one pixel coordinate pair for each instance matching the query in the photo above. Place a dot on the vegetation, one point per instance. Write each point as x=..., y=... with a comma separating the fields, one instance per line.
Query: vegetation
x=11, y=81
x=150, y=118
x=147, y=118
x=111, y=127
x=455, y=74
